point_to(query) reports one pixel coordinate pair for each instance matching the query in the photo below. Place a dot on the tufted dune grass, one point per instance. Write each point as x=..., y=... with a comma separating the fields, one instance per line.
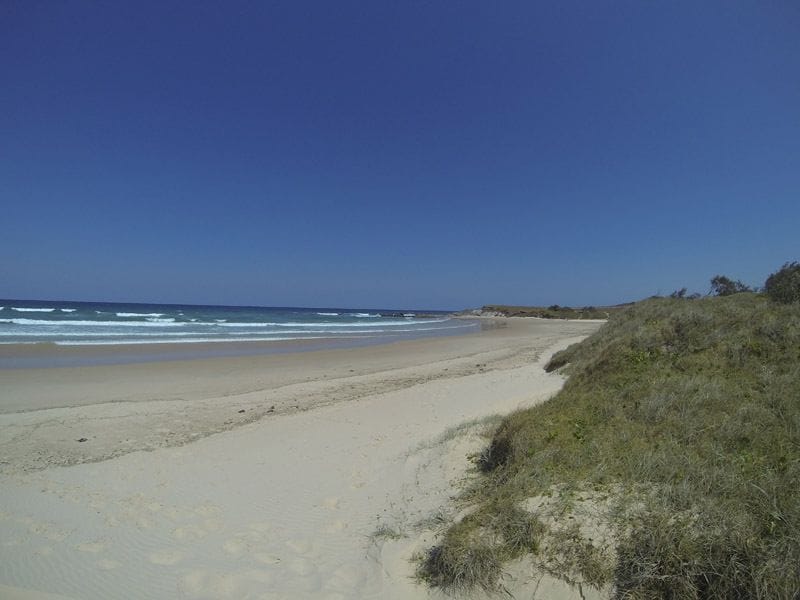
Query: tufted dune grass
x=680, y=424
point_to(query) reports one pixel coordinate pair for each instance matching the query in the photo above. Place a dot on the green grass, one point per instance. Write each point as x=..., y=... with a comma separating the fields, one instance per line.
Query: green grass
x=681, y=420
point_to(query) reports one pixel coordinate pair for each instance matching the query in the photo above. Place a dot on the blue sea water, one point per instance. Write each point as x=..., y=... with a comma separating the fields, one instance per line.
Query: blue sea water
x=99, y=323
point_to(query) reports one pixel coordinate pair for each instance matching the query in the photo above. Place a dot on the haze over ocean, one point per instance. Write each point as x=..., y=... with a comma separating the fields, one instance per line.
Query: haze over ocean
x=403, y=155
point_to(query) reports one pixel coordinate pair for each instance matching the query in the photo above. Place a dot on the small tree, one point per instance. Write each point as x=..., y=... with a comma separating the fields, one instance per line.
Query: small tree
x=724, y=286
x=784, y=285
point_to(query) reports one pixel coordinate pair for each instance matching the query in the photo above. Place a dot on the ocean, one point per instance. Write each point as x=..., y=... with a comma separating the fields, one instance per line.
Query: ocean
x=102, y=323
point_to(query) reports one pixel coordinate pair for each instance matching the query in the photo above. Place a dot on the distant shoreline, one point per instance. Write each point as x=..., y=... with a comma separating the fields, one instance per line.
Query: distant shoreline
x=554, y=311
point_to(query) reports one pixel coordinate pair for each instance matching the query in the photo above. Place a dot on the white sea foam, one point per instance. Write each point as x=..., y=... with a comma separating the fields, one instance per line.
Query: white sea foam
x=83, y=334
x=328, y=314
x=170, y=322
x=415, y=329
x=181, y=341
x=157, y=334
x=67, y=309
x=123, y=314
x=110, y=324
x=381, y=323
x=236, y=324
x=75, y=338
x=32, y=309
x=362, y=315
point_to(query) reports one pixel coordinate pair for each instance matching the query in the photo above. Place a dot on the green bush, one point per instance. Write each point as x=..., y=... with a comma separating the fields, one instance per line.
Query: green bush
x=784, y=285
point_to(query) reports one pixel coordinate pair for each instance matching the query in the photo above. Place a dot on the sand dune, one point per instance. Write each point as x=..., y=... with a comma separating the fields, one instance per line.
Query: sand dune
x=177, y=494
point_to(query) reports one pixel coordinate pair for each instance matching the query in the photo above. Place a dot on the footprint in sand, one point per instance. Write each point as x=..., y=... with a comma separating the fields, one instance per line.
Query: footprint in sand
x=235, y=546
x=267, y=559
x=48, y=531
x=346, y=580
x=194, y=582
x=356, y=479
x=106, y=564
x=93, y=547
x=262, y=527
x=213, y=525
x=97, y=504
x=308, y=573
x=174, y=513
x=336, y=526
x=205, y=584
x=244, y=541
x=259, y=576
x=166, y=557
x=331, y=503
x=207, y=510
x=303, y=567
x=190, y=533
x=112, y=521
x=300, y=546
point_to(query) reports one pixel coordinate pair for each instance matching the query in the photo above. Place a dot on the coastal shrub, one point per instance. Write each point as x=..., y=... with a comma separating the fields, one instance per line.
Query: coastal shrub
x=784, y=284
x=553, y=311
x=471, y=553
x=724, y=286
x=461, y=562
x=681, y=419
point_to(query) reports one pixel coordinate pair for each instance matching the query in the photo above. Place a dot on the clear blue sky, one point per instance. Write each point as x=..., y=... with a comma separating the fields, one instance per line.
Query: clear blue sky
x=395, y=154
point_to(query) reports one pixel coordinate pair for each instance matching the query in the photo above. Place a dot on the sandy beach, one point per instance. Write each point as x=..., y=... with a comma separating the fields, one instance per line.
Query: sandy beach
x=251, y=476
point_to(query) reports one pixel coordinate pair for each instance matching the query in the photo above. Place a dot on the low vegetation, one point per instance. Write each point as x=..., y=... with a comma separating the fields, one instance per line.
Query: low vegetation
x=667, y=467
x=551, y=312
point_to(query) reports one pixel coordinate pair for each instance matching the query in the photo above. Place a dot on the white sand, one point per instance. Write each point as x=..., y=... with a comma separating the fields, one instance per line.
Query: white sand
x=283, y=506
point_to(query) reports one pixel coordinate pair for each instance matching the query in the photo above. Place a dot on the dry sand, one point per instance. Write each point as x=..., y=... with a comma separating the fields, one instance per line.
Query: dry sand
x=251, y=477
